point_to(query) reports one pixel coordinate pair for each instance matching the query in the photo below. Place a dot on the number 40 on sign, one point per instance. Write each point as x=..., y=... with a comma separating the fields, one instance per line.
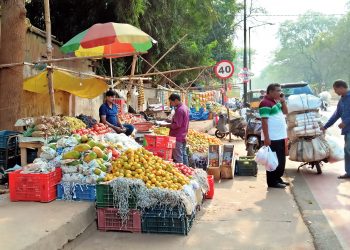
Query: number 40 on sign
x=224, y=69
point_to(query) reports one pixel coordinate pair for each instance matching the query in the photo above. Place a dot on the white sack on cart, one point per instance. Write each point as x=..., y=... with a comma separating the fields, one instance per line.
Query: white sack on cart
x=292, y=135
x=336, y=151
x=303, y=150
x=303, y=102
x=303, y=122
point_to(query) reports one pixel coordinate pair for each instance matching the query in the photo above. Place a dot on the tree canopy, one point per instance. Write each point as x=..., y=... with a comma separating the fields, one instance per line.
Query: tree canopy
x=208, y=23
x=314, y=49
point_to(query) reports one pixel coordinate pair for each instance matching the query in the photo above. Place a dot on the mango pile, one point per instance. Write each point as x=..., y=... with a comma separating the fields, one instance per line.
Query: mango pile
x=199, y=142
x=154, y=171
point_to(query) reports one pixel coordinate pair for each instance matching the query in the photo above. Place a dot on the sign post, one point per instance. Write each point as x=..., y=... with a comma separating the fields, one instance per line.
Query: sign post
x=224, y=70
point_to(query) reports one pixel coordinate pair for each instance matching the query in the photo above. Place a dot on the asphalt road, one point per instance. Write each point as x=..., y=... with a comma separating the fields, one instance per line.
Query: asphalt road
x=325, y=204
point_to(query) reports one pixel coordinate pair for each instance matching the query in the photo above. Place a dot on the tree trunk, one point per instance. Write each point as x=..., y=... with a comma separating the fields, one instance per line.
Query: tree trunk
x=13, y=30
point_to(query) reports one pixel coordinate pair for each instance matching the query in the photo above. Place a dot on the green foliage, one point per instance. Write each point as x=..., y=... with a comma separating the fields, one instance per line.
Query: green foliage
x=208, y=23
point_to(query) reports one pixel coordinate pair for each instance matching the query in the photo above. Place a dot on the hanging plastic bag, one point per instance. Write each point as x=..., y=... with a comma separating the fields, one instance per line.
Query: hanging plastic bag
x=336, y=152
x=272, y=160
x=261, y=155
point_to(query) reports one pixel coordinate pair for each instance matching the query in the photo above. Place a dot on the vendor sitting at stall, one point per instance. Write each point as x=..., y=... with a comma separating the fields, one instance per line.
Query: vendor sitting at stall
x=109, y=115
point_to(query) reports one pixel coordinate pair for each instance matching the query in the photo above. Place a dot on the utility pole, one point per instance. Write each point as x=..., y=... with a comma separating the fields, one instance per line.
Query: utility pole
x=245, y=50
x=250, y=57
x=49, y=55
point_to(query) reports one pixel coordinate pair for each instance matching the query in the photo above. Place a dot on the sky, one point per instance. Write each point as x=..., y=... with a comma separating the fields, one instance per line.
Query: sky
x=263, y=38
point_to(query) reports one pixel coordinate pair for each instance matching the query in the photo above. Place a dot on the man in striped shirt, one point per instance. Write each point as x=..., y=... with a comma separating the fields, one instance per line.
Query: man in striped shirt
x=274, y=131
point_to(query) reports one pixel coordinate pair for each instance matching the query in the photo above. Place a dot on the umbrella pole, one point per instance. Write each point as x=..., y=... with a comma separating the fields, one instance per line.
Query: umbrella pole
x=49, y=56
x=111, y=68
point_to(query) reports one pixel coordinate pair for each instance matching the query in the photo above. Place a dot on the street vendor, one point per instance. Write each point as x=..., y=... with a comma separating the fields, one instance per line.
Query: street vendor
x=179, y=128
x=109, y=115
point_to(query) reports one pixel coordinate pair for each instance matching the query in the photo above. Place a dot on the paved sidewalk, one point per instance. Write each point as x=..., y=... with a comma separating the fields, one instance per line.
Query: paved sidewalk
x=244, y=214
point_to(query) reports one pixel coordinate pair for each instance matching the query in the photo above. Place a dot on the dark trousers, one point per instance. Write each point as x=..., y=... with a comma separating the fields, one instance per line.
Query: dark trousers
x=275, y=177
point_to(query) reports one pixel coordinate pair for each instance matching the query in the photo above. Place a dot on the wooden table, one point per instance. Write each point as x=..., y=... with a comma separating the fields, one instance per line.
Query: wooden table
x=25, y=145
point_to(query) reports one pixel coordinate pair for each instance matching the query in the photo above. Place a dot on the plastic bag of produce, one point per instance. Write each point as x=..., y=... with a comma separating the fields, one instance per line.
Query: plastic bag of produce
x=305, y=150
x=47, y=153
x=261, y=155
x=272, y=160
x=336, y=151
x=303, y=102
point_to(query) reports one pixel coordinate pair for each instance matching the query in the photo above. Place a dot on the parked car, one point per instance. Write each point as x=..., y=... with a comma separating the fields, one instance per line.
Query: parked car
x=296, y=89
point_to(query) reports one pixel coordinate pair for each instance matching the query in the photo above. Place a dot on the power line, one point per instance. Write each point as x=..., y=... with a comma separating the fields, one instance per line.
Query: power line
x=295, y=15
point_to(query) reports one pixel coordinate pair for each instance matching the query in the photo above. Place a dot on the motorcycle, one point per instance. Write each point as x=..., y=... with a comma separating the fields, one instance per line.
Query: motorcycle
x=236, y=127
x=253, y=135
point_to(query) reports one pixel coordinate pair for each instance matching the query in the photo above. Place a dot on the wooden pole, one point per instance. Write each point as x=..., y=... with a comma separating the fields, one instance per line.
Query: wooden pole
x=163, y=75
x=49, y=55
x=172, y=47
x=190, y=83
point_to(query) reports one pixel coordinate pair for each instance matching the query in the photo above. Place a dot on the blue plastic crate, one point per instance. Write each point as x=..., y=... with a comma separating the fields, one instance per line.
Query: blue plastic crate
x=4, y=139
x=78, y=192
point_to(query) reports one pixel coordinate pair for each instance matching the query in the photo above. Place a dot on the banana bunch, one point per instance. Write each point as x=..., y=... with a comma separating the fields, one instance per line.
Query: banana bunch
x=141, y=96
x=74, y=123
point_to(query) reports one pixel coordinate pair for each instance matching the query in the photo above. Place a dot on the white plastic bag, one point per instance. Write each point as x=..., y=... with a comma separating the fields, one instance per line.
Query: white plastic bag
x=272, y=160
x=261, y=155
x=265, y=156
x=336, y=151
x=303, y=102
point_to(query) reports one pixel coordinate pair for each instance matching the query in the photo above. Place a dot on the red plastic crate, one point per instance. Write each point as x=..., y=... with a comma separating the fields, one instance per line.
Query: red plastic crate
x=165, y=153
x=210, y=193
x=34, y=187
x=160, y=141
x=108, y=219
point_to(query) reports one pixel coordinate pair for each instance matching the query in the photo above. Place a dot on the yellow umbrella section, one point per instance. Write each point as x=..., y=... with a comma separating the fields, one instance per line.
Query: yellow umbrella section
x=83, y=87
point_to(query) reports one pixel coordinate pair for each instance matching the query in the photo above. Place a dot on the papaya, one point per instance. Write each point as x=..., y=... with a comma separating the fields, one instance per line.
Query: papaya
x=74, y=163
x=105, y=157
x=91, y=143
x=98, y=151
x=84, y=139
x=82, y=147
x=97, y=171
x=71, y=155
x=101, y=146
x=103, y=168
x=90, y=156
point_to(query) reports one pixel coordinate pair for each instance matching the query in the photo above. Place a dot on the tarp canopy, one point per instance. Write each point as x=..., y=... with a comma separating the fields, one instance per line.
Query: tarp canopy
x=85, y=87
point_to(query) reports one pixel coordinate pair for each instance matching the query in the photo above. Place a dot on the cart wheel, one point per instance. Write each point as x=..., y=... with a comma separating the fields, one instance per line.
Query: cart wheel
x=219, y=135
x=318, y=168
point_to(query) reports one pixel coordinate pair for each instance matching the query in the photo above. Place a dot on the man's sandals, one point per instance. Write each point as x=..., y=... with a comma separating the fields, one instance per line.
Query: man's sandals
x=344, y=176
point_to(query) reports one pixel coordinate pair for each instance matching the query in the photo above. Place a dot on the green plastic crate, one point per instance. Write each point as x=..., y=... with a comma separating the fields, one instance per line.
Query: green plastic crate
x=104, y=197
x=246, y=166
x=162, y=221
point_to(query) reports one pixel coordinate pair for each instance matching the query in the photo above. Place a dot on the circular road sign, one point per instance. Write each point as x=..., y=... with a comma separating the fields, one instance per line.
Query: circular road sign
x=224, y=69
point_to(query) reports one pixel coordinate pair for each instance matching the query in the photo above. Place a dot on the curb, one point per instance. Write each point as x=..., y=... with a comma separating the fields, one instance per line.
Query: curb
x=323, y=236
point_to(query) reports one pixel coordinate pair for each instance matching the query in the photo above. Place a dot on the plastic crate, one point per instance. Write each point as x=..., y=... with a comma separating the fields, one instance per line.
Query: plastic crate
x=165, y=153
x=108, y=219
x=8, y=139
x=105, y=198
x=143, y=126
x=164, y=221
x=34, y=187
x=160, y=141
x=77, y=192
x=246, y=166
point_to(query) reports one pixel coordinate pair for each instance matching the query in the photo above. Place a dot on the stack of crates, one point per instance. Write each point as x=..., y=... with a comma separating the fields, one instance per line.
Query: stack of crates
x=108, y=217
x=76, y=192
x=9, y=150
x=160, y=145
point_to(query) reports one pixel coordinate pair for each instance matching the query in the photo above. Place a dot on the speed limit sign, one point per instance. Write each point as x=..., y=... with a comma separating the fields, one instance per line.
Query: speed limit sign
x=224, y=69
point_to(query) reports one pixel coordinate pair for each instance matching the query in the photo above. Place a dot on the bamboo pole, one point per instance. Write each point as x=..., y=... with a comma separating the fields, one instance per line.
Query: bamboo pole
x=195, y=79
x=167, y=52
x=163, y=75
x=172, y=71
x=49, y=55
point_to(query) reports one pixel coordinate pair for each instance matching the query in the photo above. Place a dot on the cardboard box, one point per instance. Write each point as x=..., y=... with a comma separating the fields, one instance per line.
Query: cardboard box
x=215, y=171
x=214, y=158
x=228, y=162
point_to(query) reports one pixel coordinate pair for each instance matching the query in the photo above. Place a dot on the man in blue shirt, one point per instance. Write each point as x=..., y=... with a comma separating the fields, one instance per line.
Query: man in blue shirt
x=343, y=111
x=109, y=115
